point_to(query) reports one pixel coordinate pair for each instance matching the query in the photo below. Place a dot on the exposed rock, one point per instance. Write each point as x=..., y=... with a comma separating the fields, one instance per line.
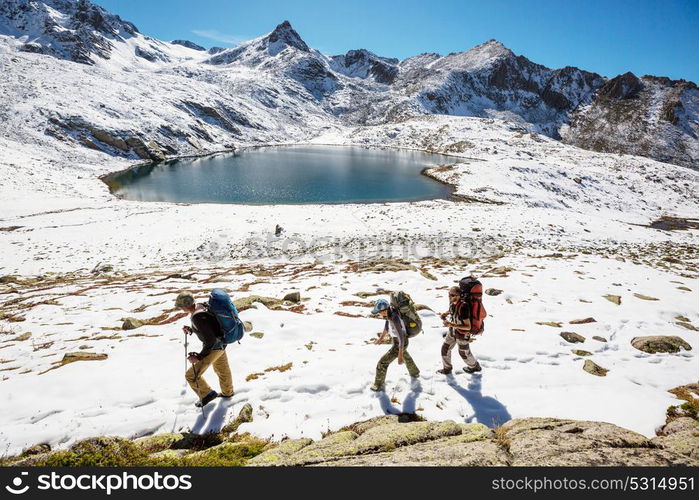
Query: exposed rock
x=377, y=438
x=224, y=454
x=380, y=266
x=71, y=357
x=244, y=303
x=582, y=321
x=687, y=325
x=132, y=324
x=644, y=297
x=580, y=352
x=594, y=369
x=281, y=453
x=572, y=337
x=493, y=291
x=522, y=442
x=247, y=326
x=188, y=44
x=555, y=324
x=22, y=337
x=680, y=436
x=428, y=275
x=245, y=415
x=554, y=442
x=294, y=297
x=616, y=299
x=257, y=335
x=450, y=451
x=626, y=86
x=599, y=339
x=660, y=343
x=158, y=442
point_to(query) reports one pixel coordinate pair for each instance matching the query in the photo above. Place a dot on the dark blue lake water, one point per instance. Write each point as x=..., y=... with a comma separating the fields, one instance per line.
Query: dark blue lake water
x=287, y=175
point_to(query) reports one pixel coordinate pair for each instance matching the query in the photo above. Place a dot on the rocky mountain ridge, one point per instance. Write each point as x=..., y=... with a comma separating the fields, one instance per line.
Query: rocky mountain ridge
x=279, y=75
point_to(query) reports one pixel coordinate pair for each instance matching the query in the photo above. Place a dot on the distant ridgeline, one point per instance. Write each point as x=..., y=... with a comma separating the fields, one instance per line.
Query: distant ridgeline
x=278, y=83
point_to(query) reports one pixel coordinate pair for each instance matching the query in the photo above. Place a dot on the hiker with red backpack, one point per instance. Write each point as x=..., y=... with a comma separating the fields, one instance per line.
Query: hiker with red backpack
x=403, y=322
x=464, y=320
x=216, y=324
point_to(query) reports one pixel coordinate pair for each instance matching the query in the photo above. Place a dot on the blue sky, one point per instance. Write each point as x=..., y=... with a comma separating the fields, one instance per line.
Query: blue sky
x=605, y=36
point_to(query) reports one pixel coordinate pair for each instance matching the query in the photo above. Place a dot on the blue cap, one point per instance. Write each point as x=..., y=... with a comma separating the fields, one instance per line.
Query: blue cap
x=379, y=305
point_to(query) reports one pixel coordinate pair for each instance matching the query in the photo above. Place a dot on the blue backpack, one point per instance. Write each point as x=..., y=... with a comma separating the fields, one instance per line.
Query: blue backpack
x=223, y=309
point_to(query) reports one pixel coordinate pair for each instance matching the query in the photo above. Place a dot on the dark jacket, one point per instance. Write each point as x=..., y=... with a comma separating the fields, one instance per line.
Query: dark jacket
x=207, y=328
x=460, y=315
x=397, y=322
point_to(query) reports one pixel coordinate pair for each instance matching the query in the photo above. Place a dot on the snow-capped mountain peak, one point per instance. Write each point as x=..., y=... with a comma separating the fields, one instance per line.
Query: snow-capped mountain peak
x=77, y=30
x=259, y=50
x=362, y=63
x=284, y=35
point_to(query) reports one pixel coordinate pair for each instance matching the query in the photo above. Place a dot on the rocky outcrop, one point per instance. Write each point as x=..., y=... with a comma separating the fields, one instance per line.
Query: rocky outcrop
x=648, y=116
x=521, y=442
x=572, y=337
x=594, y=369
x=680, y=436
x=188, y=44
x=400, y=440
x=117, y=142
x=660, y=343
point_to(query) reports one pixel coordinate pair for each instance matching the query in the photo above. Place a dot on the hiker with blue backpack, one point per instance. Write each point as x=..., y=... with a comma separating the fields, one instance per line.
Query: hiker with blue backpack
x=403, y=322
x=216, y=324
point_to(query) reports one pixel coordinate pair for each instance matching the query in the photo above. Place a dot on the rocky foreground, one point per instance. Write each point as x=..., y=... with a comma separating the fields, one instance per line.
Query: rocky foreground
x=394, y=440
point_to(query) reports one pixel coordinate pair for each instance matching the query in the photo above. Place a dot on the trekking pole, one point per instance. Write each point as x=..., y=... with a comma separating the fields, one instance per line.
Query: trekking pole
x=196, y=375
x=186, y=355
x=196, y=382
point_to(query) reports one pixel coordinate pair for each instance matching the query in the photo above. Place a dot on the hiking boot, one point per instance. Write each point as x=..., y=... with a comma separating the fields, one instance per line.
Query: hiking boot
x=207, y=399
x=377, y=387
x=445, y=371
x=472, y=370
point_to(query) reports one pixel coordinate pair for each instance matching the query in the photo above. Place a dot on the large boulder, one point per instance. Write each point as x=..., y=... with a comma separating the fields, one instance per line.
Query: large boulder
x=569, y=443
x=680, y=436
x=594, y=369
x=572, y=337
x=660, y=343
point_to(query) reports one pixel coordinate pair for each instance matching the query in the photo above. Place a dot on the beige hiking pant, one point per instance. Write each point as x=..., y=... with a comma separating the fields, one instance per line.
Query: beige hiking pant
x=450, y=341
x=218, y=359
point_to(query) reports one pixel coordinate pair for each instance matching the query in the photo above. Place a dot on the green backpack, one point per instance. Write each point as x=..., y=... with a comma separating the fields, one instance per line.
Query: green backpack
x=402, y=302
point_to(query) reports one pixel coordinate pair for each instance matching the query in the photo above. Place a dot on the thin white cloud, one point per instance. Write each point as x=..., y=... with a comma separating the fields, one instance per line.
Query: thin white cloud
x=220, y=37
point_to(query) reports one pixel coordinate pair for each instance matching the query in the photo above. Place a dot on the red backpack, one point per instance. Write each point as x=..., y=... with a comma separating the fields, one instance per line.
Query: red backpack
x=472, y=298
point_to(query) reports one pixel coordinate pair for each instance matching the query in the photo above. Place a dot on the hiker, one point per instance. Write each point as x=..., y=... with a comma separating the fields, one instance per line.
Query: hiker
x=213, y=352
x=398, y=330
x=457, y=319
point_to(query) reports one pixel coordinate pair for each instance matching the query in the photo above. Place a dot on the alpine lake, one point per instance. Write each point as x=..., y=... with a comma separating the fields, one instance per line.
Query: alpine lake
x=286, y=175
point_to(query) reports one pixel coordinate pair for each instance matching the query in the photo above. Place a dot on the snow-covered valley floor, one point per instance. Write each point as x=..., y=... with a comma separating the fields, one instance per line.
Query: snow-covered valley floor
x=557, y=230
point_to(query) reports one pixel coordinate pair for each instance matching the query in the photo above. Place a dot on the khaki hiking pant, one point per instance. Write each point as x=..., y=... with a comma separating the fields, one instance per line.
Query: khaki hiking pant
x=219, y=360
x=464, y=350
x=389, y=357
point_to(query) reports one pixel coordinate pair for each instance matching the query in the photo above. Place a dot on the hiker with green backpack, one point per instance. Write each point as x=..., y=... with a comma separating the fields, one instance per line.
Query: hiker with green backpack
x=403, y=322
x=216, y=324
